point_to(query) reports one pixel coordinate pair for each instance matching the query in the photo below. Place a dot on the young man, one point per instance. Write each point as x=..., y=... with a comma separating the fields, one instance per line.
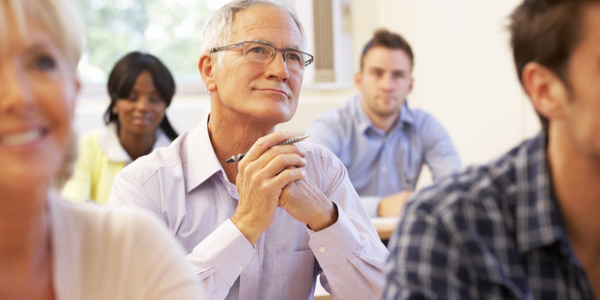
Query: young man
x=525, y=226
x=265, y=227
x=381, y=141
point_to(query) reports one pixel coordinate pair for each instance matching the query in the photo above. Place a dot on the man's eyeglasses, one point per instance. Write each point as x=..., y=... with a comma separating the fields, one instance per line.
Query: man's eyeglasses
x=264, y=53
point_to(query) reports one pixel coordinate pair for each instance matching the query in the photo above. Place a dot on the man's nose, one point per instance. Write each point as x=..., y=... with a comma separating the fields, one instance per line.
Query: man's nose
x=386, y=82
x=277, y=68
x=15, y=89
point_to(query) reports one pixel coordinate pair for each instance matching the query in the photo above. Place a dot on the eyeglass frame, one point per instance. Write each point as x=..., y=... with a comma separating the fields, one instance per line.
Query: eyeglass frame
x=283, y=51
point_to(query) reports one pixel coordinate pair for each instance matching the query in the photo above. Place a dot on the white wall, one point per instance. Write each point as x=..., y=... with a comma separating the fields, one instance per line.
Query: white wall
x=464, y=75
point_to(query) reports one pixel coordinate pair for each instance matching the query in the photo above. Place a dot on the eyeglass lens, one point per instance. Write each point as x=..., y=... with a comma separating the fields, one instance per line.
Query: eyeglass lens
x=263, y=53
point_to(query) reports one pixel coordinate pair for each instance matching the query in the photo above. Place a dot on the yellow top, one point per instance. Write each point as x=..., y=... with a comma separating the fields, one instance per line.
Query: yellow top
x=100, y=158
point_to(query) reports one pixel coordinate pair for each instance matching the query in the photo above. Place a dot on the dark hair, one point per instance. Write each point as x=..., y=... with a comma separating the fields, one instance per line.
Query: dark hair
x=389, y=40
x=547, y=32
x=123, y=77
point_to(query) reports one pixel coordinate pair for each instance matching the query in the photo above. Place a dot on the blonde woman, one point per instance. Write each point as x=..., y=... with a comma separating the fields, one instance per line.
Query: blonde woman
x=51, y=248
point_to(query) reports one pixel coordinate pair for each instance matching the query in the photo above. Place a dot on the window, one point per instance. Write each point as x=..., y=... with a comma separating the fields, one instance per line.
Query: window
x=170, y=30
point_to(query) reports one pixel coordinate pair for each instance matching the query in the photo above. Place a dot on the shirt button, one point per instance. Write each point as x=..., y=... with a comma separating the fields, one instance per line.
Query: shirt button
x=322, y=249
x=241, y=268
x=383, y=169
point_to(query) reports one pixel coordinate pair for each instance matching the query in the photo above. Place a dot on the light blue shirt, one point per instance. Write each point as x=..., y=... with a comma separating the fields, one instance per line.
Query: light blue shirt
x=381, y=164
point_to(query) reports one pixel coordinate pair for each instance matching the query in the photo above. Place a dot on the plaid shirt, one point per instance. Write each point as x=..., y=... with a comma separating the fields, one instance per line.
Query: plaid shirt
x=490, y=232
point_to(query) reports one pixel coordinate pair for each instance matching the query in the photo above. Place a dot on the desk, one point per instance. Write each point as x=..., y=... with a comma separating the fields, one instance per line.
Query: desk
x=385, y=226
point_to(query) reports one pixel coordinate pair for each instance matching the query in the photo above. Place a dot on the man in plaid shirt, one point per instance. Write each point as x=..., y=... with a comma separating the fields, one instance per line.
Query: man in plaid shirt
x=527, y=225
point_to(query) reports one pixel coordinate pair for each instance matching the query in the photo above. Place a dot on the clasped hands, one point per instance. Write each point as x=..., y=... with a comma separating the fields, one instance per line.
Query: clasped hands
x=272, y=176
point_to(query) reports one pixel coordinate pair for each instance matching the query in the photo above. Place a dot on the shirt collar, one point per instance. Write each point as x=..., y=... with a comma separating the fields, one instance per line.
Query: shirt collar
x=539, y=222
x=114, y=151
x=202, y=160
x=364, y=122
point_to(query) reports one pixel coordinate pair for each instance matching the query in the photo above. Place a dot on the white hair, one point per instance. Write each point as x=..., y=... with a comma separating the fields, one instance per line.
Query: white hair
x=218, y=29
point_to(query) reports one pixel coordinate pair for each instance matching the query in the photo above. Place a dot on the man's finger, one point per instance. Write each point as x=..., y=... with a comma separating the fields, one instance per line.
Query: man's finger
x=286, y=176
x=265, y=143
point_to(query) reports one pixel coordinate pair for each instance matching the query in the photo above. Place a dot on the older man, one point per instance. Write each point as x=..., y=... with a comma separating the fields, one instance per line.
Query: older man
x=265, y=227
x=526, y=225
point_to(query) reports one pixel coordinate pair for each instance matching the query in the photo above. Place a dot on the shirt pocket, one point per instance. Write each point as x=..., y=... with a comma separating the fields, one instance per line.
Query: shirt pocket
x=294, y=275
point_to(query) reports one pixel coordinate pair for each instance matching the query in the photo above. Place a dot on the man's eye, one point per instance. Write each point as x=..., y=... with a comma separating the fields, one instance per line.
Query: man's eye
x=293, y=56
x=44, y=62
x=258, y=50
x=155, y=99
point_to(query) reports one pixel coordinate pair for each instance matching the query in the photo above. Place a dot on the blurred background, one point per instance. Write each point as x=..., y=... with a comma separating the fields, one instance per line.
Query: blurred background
x=464, y=73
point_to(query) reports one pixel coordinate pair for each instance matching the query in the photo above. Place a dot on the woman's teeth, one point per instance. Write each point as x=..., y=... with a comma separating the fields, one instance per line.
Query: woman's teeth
x=21, y=138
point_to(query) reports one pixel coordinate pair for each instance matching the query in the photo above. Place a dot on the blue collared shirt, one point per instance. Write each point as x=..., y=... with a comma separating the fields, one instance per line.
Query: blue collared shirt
x=381, y=164
x=490, y=232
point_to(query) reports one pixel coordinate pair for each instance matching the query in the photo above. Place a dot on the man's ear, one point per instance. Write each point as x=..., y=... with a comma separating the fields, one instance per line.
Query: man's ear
x=207, y=65
x=547, y=92
x=357, y=80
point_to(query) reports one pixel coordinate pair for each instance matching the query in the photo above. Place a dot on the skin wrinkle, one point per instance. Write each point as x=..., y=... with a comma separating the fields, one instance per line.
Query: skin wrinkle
x=244, y=112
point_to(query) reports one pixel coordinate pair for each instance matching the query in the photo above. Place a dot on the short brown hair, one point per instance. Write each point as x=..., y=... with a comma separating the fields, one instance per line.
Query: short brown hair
x=390, y=40
x=547, y=32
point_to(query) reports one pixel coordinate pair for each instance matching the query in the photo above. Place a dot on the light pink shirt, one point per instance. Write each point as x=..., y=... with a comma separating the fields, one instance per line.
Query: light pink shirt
x=186, y=187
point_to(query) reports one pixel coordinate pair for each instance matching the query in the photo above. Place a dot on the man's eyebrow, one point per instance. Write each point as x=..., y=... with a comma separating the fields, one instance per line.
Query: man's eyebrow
x=375, y=69
x=291, y=47
x=395, y=71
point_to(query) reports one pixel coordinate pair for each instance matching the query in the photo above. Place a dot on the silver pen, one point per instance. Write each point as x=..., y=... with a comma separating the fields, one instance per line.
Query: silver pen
x=239, y=157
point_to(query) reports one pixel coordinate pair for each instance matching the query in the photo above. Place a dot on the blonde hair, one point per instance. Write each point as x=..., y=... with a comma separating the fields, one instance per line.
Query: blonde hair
x=59, y=18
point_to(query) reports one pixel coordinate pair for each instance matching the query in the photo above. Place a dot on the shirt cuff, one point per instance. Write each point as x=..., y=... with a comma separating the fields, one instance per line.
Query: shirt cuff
x=332, y=245
x=371, y=204
x=227, y=250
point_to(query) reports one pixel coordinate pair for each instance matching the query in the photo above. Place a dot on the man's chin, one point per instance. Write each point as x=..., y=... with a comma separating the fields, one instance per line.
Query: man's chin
x=277, y=113
x=388, y=112
x=278, y=118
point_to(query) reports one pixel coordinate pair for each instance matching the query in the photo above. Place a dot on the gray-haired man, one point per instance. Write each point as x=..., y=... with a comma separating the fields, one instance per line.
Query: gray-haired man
x=265, y=227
